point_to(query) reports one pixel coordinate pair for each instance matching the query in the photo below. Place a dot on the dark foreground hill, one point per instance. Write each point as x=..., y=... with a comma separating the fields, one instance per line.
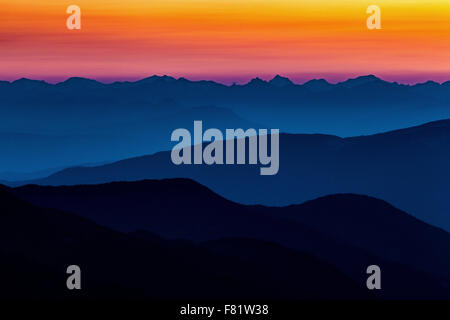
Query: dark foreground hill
x=37, y=245
x=347, y=231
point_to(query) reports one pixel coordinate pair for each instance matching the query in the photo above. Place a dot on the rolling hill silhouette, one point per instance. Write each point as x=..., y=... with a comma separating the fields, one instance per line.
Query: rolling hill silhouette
x=408, y=168
x=357, y=230
x=37, y=245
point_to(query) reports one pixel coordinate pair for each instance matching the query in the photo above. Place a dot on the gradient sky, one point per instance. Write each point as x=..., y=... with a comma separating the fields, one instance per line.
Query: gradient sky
x=225, y=40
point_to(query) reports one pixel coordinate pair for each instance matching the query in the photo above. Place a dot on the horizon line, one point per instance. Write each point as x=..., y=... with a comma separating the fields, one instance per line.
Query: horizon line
x=265, y=78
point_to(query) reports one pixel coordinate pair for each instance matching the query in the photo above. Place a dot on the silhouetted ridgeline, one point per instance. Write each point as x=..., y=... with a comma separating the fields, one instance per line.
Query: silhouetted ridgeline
x=349, y=232
x=82, y=121
x=408, y=168
x=37, y=245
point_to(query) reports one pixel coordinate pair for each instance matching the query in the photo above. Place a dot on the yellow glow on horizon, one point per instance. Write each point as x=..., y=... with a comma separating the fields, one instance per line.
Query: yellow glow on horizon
x=219, y=36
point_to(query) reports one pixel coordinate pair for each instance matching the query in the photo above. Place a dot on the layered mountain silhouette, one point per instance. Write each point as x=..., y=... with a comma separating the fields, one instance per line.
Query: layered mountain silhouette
x=347, y=231
x=37, y=245
x=89, y=121
x=360, y=193
x=408, y=168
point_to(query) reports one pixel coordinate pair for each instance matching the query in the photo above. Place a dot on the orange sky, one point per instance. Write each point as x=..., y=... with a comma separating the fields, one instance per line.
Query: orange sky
x=225, y=39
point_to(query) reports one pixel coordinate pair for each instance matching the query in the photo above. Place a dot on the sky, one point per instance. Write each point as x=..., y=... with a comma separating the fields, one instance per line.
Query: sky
x=225, y=40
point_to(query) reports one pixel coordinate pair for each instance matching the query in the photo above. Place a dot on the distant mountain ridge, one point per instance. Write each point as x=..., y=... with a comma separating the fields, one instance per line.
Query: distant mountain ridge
x=204, y=92
x=277, y=80
x=125, y=119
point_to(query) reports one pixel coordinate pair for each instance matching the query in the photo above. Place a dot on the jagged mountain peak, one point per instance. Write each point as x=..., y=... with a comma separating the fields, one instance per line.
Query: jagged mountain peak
x=280, y=81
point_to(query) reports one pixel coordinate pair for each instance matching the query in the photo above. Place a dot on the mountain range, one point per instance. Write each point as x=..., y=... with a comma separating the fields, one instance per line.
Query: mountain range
x=170, y=232
x=408, y=168
x=83, y=120
x=37, y=245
